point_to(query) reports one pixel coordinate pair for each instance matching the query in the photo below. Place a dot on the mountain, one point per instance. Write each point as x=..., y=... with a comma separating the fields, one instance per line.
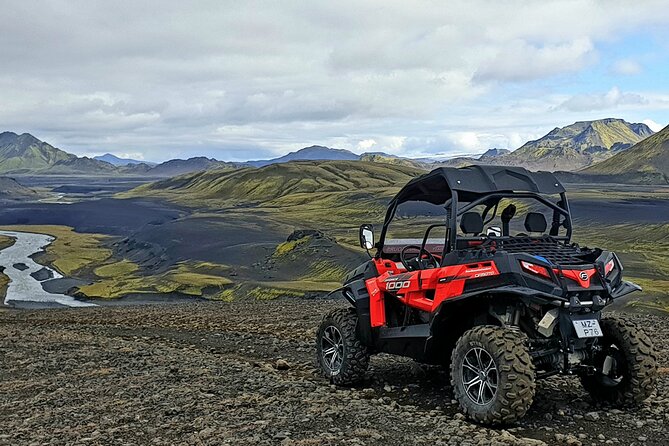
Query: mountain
x=176, y=167
x=491, y=154
x=81, y=166
x=645, y=162
x=312, y=153
x=22, y=153
x=577, y=145
x=116, y=161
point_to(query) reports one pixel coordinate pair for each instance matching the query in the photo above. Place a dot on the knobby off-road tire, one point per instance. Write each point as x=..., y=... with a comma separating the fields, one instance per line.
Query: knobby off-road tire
x=351, y=358
x=635, y=369
x=508, y=390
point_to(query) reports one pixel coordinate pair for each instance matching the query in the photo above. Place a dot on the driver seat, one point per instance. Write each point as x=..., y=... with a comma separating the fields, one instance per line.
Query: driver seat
x=471, y=224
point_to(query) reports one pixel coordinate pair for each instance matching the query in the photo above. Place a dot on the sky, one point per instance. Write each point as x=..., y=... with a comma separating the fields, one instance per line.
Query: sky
x=156, y=80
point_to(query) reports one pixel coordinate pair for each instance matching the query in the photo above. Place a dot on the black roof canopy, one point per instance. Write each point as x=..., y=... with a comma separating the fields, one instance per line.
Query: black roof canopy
x=472, y=182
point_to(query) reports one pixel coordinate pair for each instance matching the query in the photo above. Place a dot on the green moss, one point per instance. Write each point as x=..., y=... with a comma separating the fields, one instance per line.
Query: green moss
x=325, y=271
x=117, y=269
x=194, y=279
x=263, y=293
x=289, y=246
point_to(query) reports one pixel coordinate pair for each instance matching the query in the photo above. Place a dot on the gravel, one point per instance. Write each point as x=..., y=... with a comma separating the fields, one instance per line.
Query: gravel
x=242, y=373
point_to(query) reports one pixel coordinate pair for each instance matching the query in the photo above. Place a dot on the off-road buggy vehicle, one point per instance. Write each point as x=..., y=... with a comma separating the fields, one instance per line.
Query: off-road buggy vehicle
x=500, y=310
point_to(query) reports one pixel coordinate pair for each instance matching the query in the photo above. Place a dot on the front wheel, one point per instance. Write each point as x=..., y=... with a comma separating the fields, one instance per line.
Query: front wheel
x=626, y=366
x=340, y=355
x=492, y=374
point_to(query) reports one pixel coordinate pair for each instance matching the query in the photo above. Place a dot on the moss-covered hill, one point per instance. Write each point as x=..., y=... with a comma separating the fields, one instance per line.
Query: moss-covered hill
x=278, y=183
x=648, y=160
x=326, y=195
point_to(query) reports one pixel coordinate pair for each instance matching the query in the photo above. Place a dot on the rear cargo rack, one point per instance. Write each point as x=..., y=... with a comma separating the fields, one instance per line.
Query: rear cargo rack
x=551, y=249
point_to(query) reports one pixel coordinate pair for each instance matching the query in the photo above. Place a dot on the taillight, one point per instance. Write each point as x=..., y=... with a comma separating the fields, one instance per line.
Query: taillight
x=610, y=265
x=535, y=269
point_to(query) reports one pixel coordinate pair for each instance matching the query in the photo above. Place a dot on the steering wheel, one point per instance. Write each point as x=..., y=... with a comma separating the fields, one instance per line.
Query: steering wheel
x=417, y=262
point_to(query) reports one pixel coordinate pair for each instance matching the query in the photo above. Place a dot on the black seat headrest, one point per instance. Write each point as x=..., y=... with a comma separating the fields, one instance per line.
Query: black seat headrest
x=535, y=222
x=471, y=223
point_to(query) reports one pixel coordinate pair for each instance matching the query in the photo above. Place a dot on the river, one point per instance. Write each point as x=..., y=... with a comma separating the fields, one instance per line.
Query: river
x=23, y=288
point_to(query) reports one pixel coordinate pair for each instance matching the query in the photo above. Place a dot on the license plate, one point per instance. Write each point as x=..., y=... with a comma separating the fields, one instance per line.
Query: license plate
x=587, y=328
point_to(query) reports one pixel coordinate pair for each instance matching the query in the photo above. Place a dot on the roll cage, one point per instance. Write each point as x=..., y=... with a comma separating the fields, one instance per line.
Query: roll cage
x=461, y=190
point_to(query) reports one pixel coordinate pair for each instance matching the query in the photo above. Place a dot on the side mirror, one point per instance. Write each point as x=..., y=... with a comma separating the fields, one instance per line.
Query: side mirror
x=366, y=237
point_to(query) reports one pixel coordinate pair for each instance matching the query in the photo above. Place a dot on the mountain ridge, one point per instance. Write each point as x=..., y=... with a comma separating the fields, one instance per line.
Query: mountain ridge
x=118, y=161
x=311, y=153
x=578, y=145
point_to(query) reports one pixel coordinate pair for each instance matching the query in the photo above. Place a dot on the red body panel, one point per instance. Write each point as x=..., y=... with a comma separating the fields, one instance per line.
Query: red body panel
x=582, y=277
x=423, y=289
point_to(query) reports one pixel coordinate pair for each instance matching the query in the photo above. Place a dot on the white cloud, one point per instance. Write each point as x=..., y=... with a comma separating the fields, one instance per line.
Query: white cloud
x=520, y=60
x=607, y=101
x=654, y=126
x=627, y=67
x=366, y=144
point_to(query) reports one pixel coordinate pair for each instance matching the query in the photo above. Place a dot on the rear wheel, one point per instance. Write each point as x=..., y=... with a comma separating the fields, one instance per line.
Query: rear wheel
x=341, y=356
x=492, y=374
x=626, y=365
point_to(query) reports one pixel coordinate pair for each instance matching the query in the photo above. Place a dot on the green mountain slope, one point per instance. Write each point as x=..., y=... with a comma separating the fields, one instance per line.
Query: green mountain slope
x=578, y=145
x=280, y=180
x=327, y=194
x=647, y=161
x=24, y=152
x=378, y=157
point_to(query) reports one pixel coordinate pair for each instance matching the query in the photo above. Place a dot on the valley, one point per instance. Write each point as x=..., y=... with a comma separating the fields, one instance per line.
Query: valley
x=224, y=235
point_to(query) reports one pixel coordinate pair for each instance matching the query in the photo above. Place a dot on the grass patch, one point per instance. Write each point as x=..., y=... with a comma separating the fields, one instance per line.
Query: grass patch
x=325, y=271
x=6, y=242
x=289, y=246
x=190, y=278
x=4, y=282
x=270, y=293
x=116, y=269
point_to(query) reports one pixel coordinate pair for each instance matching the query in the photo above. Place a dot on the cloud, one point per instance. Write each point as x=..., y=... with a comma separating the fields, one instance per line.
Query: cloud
x=606, y=101
x=520, y=60
x=654, y=126
x=366, y=144
x=627, y=67
x=245, y=80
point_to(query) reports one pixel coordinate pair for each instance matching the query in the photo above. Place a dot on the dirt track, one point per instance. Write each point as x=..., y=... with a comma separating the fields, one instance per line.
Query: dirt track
x=207, y=373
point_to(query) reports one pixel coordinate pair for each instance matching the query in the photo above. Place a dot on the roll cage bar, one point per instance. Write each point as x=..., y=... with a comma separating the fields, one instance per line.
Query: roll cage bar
x=485, y=191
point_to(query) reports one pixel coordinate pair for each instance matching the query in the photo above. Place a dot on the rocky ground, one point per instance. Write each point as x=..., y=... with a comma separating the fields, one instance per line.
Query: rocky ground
x=242, y=373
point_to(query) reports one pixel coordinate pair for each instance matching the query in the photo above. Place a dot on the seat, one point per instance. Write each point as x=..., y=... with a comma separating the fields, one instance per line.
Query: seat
x=471, y=223
x=535, y=222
